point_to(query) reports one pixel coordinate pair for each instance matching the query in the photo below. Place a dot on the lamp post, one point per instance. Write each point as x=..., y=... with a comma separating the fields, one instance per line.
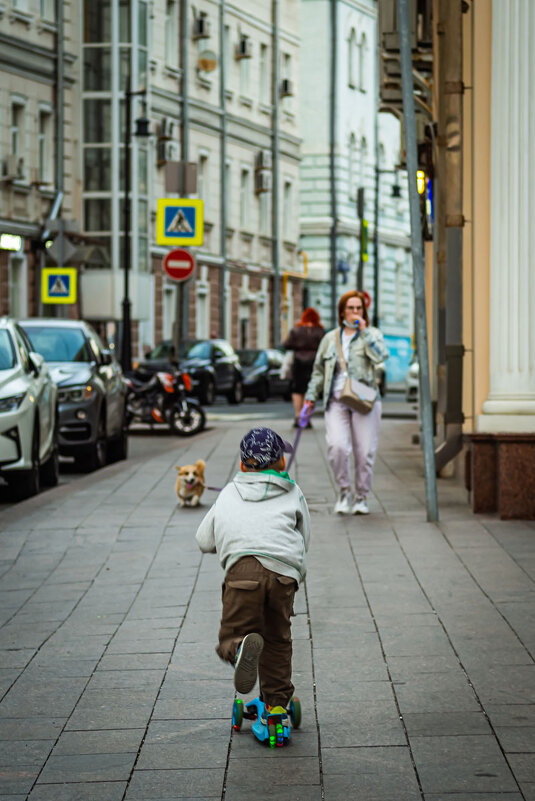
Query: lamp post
x=142, y=129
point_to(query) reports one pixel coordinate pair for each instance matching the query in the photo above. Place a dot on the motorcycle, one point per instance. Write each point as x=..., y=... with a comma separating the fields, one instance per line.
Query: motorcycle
x=164, y=399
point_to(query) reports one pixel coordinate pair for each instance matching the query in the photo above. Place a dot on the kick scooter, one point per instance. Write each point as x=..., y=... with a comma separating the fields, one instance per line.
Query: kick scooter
x=274, y=731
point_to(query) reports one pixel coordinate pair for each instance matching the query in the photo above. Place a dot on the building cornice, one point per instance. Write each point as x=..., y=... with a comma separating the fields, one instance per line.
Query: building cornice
x=30, y=60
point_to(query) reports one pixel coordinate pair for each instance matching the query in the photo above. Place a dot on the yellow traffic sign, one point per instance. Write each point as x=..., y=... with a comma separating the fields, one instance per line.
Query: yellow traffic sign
x=58, y=285
x=179, y=221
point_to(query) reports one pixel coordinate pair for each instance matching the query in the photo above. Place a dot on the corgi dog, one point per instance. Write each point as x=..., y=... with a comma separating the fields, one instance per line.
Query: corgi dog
x=190, y=483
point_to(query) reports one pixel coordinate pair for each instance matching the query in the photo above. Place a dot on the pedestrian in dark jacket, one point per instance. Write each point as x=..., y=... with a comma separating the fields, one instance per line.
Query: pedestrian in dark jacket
x=303, y=340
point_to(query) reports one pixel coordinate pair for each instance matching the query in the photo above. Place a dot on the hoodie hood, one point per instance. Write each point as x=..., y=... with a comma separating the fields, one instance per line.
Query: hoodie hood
x=262, y=485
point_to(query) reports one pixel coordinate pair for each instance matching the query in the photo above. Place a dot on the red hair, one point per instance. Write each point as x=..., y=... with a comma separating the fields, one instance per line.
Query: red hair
x=310, y=317
x=342, y=303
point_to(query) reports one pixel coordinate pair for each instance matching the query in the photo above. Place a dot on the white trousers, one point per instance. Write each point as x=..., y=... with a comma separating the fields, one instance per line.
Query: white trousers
x=348, y=430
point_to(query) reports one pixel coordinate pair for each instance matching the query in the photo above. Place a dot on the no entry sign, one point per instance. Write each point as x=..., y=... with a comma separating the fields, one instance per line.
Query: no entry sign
x=179, y=264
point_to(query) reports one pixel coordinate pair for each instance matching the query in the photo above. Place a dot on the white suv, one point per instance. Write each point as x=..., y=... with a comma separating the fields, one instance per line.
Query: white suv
x=28, y=415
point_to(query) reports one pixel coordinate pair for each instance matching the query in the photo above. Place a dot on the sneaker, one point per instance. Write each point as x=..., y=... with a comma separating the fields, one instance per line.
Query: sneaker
x=246, y=663
x=275, y=710
x=343, y=504
x=360, y=507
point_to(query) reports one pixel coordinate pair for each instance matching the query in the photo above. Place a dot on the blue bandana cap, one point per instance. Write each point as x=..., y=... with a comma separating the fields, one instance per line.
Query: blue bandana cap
x=261, y=447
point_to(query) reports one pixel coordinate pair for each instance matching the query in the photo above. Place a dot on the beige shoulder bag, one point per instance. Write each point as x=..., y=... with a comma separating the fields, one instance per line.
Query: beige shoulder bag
x=355, y=394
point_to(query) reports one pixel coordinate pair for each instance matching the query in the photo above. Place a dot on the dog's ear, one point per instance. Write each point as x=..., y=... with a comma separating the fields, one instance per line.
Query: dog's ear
x=177, y=468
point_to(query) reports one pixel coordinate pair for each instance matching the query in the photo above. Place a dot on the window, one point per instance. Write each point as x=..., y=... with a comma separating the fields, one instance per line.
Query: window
x=363, y=63
x=245, y=197
x=171, y=33
x=352, y=165
x=286, y=72
x=97, y=121
x=288, y=211
x=264, y=200
x=264, y=75
x=202, y=181
x=97, y=21
x=97, y=212
x=44, y=144
x=47, y=10
x=228, y=192
x=352, y=49
x=17, y=118
x=244, y=76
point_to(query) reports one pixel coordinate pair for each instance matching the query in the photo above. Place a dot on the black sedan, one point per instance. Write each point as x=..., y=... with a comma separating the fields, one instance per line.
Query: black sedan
x=212, y=365
x=91, y=390
x=261, y=374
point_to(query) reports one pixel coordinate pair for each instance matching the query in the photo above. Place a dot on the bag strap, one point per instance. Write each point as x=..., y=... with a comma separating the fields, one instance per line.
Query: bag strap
x=340, y=351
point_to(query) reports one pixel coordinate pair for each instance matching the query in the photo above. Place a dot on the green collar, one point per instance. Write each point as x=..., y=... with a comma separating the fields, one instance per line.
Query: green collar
x=282, y=474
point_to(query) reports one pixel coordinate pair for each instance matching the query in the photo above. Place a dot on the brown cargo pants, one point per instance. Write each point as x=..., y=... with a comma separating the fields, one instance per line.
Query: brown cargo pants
x=258, y=600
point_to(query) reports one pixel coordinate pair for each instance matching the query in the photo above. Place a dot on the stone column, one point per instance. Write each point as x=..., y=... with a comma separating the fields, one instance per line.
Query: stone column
x=510, y=406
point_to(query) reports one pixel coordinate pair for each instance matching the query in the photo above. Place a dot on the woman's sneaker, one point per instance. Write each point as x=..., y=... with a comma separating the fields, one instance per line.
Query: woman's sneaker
x=360, y=507
x=343, y=504
x=246, y=662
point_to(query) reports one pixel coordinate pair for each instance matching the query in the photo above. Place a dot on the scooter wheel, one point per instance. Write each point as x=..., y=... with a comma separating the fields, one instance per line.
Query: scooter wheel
x=237, y=714
x=295, y=712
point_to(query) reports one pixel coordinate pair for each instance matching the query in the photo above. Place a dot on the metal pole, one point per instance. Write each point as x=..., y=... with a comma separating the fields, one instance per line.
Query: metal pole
x=375, y=319
x=126, y=342
x=182, y=293
x=223, y=171
x=417, y=261
x=60, y=311
x=275, y=188
x=332, y=165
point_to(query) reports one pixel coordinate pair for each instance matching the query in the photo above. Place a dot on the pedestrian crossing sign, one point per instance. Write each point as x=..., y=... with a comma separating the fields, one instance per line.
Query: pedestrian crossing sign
x=179, y=221
x=58, y=285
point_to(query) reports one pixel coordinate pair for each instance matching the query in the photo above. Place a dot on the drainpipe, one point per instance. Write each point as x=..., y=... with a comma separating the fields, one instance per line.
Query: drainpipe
x=332, y=164
x=275, y=222
x=223, y=171
x=182, y=293
x=449, y=140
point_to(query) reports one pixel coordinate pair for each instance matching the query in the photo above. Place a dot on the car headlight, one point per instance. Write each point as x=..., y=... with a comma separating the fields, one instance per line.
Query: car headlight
x=12, y=403
x=75, y=394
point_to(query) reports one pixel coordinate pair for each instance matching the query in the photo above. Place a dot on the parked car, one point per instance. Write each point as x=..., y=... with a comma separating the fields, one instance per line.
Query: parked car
x=412, y=379
x=212, y=364
x=93, y=425
x=28, y=415
x=261, y=373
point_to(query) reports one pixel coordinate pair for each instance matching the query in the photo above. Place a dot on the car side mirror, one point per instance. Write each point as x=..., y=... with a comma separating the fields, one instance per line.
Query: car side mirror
x=36, y=361
x=107, y=357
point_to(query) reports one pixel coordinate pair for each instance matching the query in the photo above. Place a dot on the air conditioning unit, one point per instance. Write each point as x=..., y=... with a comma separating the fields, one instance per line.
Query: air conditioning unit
x=262, y=182
x=167, y=150
x=244, y=48
x=201, y=27
x=13, y=167
x=286, y=88
x=167, y=128
x=263, y=160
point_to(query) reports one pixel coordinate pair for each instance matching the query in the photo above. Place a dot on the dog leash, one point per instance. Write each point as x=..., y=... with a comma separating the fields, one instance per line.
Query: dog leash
x=302, y=422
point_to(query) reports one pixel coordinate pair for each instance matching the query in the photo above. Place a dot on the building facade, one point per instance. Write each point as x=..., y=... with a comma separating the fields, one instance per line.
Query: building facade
x=348, y=146
x=218, y=84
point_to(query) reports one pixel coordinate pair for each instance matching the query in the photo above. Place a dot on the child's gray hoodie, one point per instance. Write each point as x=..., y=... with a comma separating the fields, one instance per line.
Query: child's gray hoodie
x=260, y=514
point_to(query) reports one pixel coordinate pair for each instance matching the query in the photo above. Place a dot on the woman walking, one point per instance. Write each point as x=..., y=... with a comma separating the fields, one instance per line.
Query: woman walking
x=303, y=340
x=352, y=350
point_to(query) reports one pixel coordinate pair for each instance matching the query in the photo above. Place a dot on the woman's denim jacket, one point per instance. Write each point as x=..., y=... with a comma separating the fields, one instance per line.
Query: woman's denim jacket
x=366, y=349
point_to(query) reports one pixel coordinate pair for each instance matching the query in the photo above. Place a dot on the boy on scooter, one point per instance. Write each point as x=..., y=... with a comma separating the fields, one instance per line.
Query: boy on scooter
x=260, y=528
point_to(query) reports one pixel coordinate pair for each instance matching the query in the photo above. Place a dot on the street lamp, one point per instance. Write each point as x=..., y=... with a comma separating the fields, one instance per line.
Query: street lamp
x=142, y=129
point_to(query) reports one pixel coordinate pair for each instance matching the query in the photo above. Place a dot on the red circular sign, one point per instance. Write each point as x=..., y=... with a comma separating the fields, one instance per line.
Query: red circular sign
x=367, y=299
x=179, y=264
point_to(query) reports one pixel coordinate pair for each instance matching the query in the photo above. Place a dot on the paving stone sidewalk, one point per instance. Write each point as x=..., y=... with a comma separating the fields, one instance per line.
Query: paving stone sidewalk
x=413, y=643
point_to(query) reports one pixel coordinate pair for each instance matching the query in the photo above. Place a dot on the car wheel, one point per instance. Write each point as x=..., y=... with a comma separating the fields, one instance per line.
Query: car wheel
x=263, y=392
x=95, y=457
x=28, y=482
x=208, y=395
x=118, y=448
x=236, y=395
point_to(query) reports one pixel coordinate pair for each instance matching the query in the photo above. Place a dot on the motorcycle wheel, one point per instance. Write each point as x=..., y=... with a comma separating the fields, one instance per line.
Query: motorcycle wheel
x=189, y=423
